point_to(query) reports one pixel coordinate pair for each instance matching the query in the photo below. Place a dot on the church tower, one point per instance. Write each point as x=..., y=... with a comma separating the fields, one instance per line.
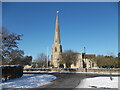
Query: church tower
x=56, y=47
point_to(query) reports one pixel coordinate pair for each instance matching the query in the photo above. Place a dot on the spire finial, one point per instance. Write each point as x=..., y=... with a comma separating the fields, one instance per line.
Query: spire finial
x=57, y=11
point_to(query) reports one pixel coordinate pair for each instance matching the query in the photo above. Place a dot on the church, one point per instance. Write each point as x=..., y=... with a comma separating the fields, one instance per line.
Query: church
x=83, y=60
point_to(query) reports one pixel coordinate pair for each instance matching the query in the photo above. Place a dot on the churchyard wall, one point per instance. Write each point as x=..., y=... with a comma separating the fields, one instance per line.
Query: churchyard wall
x=104, y=70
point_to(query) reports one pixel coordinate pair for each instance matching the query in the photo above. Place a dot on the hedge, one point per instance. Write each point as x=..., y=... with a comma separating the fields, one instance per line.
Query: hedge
x=11, y=72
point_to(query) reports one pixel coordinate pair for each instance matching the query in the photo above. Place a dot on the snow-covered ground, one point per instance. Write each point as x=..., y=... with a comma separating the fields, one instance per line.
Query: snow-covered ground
x=28, y=81
x=99, y=82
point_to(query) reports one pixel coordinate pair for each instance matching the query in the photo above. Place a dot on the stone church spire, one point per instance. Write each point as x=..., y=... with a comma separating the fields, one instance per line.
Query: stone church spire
x=56, y=47
x=57, y=31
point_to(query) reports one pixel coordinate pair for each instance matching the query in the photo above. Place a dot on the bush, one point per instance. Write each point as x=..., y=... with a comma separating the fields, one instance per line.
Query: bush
x=11, y=72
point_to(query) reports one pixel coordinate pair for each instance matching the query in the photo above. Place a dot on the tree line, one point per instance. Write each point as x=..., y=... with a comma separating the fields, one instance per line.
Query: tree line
x=108, y=61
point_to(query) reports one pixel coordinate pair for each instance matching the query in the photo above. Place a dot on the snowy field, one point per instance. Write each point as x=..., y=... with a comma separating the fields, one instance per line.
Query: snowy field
x=28, y=81
x=99, y=82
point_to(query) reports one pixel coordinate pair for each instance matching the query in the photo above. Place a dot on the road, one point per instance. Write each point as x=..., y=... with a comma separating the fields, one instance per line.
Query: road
x=68, y=80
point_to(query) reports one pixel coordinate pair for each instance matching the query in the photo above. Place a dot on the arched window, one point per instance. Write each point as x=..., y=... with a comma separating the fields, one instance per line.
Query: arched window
x=92, y=64
x=60, y=48
x=55, y=49
x=89, y=64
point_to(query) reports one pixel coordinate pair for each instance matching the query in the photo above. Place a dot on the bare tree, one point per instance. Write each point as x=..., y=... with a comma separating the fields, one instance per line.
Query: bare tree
x=9, y=43
x=41, y=60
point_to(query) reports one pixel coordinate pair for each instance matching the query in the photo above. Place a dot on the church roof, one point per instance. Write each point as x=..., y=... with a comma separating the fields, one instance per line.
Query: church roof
x=72, y=53
x=90, y=55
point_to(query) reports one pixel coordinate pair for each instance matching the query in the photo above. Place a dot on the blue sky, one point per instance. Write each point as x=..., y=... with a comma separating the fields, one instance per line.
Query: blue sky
x=84, y=24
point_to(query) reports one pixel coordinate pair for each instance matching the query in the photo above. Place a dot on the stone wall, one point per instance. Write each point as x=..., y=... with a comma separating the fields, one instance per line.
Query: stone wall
x=75, y=70
x=99, y=70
